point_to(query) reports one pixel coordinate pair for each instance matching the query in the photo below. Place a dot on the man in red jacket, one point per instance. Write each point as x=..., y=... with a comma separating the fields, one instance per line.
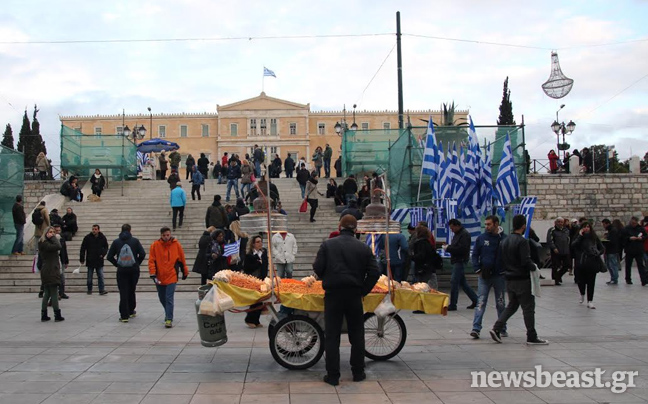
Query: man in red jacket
x=166, y=261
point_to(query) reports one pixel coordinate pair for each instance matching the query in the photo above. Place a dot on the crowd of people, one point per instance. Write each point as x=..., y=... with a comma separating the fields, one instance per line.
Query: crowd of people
x=558, y=165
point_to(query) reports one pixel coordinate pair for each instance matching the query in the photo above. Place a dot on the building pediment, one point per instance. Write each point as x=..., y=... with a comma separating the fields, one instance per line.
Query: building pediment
x=262, y=102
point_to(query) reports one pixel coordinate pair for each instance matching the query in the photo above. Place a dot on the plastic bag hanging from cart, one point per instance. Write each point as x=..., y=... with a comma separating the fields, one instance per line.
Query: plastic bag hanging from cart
x=215, y=303
x=385, y=308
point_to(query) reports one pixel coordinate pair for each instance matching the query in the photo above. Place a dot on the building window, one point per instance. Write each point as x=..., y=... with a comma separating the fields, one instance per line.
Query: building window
x=386, y=125
x=205, y=130
x=273, y=150
x=119, y=130
x=294, y=155
x=78, y=129
x=321, y=128
x=263, y=126
x=162, y=131
x=253, y=127
x=97, y=132
x=293, y=128
x=273, y=127
x=183, y=131
x=234, y=129
x=364, y=125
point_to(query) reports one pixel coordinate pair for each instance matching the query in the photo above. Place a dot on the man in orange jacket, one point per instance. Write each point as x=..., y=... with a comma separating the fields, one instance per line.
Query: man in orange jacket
x=166, y=260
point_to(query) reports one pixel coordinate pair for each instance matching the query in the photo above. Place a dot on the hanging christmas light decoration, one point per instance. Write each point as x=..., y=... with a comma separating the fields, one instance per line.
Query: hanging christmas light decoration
x=558, y=85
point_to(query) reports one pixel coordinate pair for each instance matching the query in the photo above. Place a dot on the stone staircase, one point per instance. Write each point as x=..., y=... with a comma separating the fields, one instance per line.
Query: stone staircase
x=145, y=206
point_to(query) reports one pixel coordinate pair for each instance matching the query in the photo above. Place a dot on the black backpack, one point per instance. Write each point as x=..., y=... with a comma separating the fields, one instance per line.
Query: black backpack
x=37, y=217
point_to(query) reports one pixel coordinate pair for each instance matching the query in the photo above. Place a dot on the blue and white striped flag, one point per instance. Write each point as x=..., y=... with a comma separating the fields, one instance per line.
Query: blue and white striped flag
x=430, y=219
x=268, y=72
x=233, y=248
x=527, y=208
x=417, y=215
x=377, y=240
x=444, y=180
x=399, y=215
x=486, y=182
x=471, y=201
x=507, y=186
x=430, y=165
x=456, y=175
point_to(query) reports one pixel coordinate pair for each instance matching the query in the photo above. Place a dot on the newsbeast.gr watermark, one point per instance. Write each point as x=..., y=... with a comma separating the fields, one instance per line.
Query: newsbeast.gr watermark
x=619, y=382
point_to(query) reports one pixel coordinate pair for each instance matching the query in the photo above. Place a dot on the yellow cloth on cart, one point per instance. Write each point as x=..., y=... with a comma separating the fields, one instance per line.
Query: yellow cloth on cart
x=312, y=302
x=430, y=303
x=242, y=297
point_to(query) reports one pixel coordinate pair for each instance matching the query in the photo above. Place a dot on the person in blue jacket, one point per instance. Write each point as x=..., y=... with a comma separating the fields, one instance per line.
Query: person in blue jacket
x=178, y=200
x=487, y=263
x=397, y=252
x=197, y=180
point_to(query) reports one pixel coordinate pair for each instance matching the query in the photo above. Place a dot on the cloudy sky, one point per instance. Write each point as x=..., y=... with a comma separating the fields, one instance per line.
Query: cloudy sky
x=99, y=57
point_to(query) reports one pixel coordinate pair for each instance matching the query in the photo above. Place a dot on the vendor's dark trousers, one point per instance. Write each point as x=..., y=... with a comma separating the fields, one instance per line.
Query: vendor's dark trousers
x=195, y=189
x=560, y=264
x=586, y=280
x=188, y=173
x=127, y=279
x=253, y=317
x=163, y=174
x=457, y=280
x=640, y=266
x=519, y=294
x=176, y=210
x=336, y=307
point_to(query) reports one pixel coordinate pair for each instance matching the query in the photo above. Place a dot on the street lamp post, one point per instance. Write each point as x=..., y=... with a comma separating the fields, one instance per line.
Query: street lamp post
x=150, y=123
x=139, y=133
x=341, y=129
x=562, y=128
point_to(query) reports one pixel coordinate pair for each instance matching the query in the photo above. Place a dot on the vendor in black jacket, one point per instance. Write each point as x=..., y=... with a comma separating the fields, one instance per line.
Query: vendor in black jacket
x=516, y=259
x=94, y=248
x=255, y=264
x=348, y=270
x=459, y=251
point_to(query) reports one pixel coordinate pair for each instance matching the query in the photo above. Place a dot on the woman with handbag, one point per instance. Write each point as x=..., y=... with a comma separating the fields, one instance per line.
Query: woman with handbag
x=588, y=249
x=255, y=264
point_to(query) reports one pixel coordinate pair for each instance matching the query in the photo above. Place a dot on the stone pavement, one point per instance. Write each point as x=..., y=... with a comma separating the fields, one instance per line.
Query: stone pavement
x=92, y=358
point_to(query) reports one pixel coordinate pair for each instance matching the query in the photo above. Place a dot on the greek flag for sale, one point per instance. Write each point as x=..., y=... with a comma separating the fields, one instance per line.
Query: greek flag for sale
x=486, y=180
x=430, y=165
x=268, y=72
x=470, y=200
x=430, y=219
x=507, y=186
x=377, y=239
x=444, y=180
x=399, y=215
x=526, y=208
x=233, y=248
x=142, y=159
x=417, y=215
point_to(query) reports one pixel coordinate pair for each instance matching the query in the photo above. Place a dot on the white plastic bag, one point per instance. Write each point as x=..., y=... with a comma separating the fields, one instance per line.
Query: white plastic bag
x=77, y=270
x=209, y=304
x=535, y=282
x=385, y=308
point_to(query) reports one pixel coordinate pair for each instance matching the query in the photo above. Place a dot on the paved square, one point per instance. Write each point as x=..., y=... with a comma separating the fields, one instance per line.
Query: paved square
x=92, y=358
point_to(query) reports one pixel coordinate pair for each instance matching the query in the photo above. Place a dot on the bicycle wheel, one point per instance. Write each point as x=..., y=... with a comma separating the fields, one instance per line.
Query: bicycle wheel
x=297, y=342
x=384, y=338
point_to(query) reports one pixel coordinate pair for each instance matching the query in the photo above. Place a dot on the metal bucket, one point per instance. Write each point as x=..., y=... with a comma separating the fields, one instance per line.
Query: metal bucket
x=212, y=329
x=202, y=291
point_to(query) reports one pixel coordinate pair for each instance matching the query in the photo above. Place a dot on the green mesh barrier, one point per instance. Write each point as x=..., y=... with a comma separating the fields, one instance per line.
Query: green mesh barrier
x=11, y=184
x=112, y=154
x=398, y=152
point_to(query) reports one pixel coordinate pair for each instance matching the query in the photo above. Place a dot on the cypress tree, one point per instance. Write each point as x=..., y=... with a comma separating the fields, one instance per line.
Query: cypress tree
x=24, y=142
x=7, y=138
x=506, y=107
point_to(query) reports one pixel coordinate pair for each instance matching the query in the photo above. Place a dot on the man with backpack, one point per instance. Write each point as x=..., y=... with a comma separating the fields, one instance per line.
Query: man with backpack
x=166, y=262
x=127, y=254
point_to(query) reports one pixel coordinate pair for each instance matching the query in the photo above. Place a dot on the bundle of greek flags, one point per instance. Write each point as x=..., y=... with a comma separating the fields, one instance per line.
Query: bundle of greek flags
x=466, y=175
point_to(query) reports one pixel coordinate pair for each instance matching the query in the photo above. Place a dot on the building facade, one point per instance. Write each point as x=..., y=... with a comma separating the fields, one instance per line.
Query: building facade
x=278, y=126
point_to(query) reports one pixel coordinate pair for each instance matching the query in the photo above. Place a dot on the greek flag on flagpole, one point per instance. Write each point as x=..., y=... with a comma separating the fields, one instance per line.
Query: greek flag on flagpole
x=376, y=241
x=430, y=164
x=417, y=215
x=268, y=72
x=399, y=215
x=507, y=186
x=456, y=174
x=233, y=248
x=470, y=201
x=486, y=182
x=527, y=208
x=444, y=180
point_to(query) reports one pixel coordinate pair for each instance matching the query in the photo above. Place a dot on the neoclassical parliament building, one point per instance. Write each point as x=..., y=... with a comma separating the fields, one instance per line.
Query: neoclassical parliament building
x=279, y=126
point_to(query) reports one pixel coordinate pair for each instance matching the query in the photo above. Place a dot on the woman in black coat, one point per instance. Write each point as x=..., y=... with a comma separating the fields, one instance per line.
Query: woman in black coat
x=587, y=249
x=98, y=183
x=49, y=247
x=217, y=261
x=200, y=264
x=331, y=188
x=255, y=264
